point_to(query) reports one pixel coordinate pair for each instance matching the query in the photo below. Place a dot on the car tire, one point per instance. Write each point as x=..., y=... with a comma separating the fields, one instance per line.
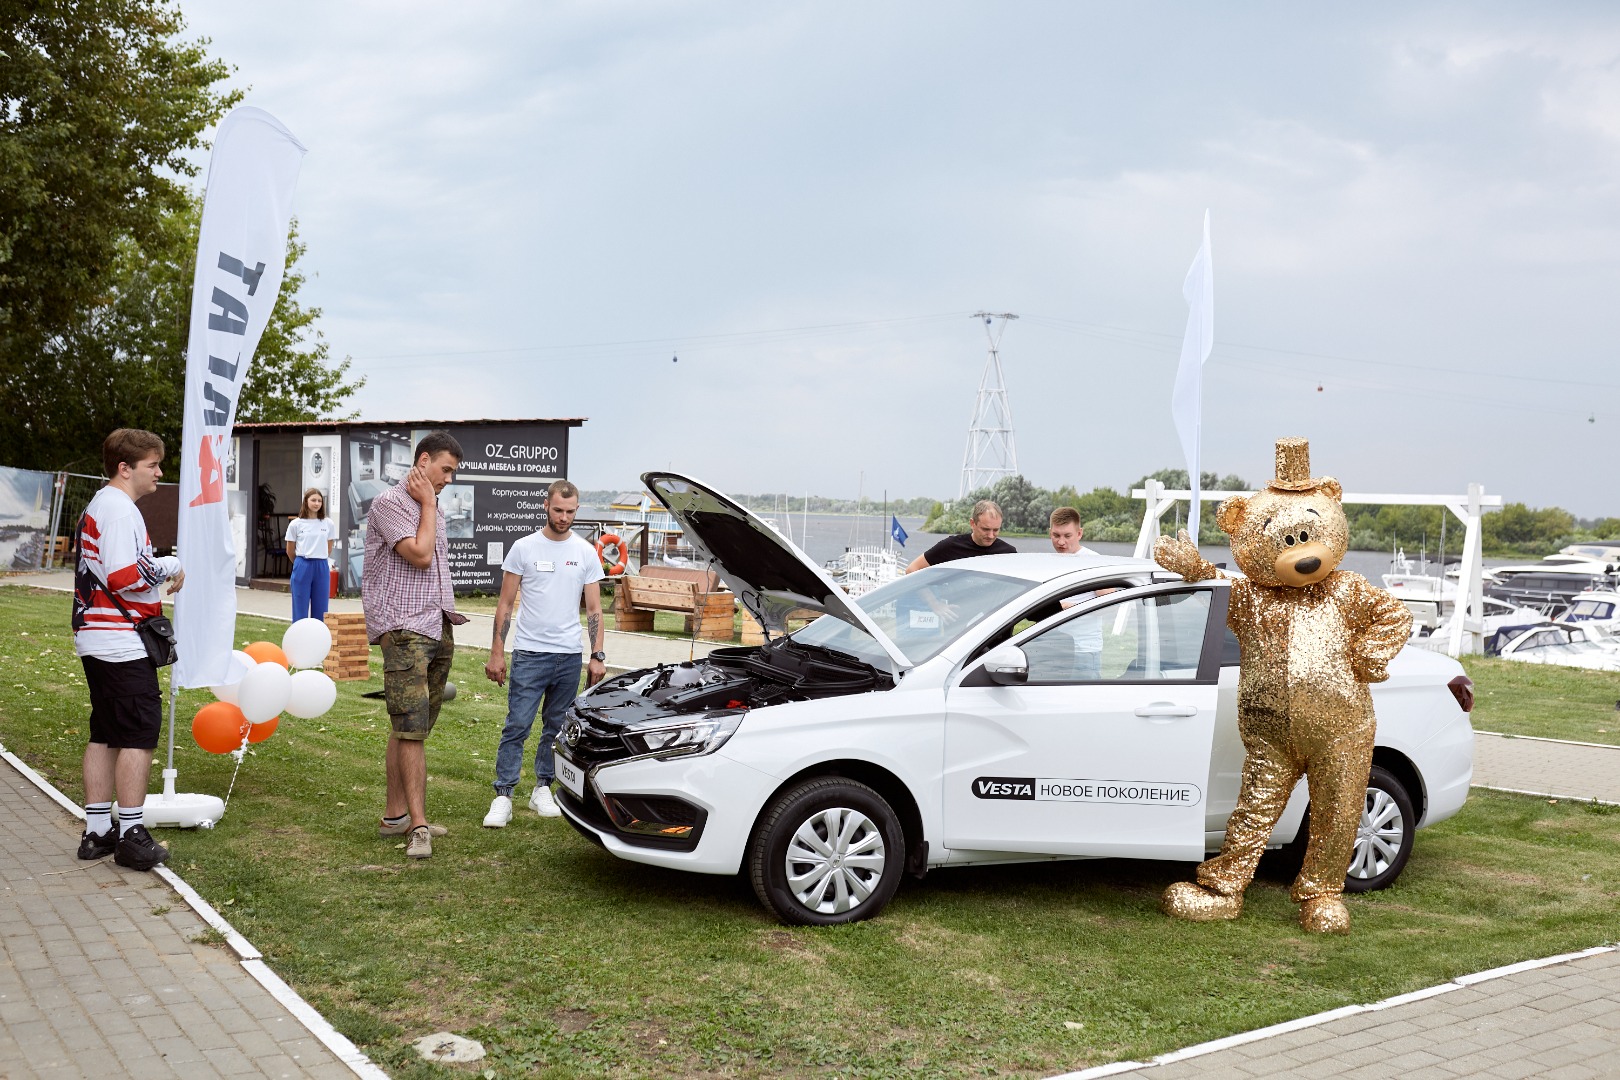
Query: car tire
x=1384, y=838
x=827, y=851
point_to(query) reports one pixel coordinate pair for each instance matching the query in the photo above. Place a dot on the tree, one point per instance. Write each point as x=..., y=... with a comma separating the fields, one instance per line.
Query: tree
x=121, y=363
x=98, y=105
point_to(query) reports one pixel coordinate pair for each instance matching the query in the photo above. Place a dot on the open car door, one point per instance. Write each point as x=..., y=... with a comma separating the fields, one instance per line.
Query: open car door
x=1102, y=747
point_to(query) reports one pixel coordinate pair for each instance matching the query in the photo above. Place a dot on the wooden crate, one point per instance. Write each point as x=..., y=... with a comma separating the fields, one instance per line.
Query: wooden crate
x=626, y=617
x=714, y=617
x=350, y=658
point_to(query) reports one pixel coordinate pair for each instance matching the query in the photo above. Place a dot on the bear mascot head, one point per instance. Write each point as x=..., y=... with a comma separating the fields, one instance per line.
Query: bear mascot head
x=1292, y=533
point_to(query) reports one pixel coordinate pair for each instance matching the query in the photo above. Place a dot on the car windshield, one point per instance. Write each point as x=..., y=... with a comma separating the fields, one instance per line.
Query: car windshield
x=921, y=613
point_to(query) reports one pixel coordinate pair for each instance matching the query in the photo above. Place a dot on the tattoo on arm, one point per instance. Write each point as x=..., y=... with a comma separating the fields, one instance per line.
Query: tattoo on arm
x=593, y=623
x=502, y=627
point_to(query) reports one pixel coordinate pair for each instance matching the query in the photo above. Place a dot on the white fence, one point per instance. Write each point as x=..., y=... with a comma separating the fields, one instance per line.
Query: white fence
x=1467, y=626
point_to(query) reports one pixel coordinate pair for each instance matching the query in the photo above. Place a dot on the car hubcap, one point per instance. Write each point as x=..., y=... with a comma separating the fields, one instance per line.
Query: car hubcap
x=835, y=860
x=1378, y=840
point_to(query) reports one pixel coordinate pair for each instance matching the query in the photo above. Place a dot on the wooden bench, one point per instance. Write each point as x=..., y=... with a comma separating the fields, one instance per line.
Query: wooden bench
x=696, y=593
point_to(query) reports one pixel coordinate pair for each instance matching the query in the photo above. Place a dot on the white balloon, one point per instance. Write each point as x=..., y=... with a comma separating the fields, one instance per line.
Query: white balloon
x=306, y=643
x=263, y=692
x=313, y=692
x=241, y=664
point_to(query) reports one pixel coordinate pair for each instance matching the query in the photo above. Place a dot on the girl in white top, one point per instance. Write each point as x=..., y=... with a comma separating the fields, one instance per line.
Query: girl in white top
x=309, y=545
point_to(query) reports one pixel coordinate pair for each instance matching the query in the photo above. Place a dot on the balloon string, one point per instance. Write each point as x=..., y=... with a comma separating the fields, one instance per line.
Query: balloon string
x=239, y=753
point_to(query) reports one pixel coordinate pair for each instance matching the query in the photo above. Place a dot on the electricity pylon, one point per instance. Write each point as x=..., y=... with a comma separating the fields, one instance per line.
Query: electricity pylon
x=991, y=453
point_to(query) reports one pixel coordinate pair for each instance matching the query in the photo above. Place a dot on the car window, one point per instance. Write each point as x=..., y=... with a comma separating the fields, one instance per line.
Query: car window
x=1047, y=608
x=921, y=613
x=1157, y=638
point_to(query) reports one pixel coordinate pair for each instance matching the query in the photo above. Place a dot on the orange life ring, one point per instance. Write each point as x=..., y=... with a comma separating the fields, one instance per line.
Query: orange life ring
x=607, y=539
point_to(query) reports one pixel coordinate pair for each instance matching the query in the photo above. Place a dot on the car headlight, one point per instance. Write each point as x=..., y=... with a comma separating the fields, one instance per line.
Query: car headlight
x=690, y=738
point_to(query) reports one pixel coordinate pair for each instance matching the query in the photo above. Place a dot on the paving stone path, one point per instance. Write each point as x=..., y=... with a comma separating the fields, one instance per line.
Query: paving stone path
x=103, y=973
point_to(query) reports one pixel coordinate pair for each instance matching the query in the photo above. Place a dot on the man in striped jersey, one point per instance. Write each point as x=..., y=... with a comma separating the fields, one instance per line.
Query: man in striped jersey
x=126, y=707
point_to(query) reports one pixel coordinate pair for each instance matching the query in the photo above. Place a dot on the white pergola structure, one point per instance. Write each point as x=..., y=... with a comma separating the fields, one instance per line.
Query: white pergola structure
x=1467, y=627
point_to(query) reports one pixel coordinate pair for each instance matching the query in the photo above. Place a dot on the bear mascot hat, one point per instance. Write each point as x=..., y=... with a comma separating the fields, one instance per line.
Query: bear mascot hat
x=1312, y=638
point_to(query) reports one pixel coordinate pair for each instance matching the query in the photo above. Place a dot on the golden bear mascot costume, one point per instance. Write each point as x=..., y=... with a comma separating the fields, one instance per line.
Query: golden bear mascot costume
x=1312, y=637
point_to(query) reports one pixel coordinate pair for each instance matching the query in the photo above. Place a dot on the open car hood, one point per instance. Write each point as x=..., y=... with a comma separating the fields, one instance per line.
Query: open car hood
x=770, y=575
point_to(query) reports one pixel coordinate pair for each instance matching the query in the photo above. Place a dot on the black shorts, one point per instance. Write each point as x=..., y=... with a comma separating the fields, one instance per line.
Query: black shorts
x=126, y=707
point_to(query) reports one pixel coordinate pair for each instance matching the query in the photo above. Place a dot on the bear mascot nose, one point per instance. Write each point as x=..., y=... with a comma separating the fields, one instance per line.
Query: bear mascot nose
x=1308, y=566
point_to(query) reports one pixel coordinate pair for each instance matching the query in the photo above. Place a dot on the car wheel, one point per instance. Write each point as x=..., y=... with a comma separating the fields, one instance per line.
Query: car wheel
x=827, y=851
x=1384, y=838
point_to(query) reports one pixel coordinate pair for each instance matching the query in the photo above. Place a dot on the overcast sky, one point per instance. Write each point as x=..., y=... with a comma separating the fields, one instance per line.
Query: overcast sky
x=528, y=209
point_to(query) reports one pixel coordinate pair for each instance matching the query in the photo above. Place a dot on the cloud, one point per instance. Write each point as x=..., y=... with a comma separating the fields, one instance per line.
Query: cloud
x=1430, y=187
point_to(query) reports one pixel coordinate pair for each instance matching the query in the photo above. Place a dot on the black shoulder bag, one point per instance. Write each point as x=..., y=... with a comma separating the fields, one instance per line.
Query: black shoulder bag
x=156, y=632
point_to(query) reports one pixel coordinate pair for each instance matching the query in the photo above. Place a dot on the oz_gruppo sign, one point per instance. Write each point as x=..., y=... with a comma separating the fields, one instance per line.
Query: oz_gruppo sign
x=241, y=256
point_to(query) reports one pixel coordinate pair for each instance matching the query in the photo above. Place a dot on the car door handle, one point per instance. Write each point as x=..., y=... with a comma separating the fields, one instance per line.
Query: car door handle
x=1166, y=708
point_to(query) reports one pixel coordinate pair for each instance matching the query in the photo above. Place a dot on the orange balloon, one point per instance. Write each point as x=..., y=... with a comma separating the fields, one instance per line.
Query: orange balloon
x=218, y=727
x=267, y=652
x=257, y=733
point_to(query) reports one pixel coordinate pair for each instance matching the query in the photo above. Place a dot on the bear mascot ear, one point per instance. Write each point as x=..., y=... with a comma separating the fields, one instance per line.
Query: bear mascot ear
x=1330, y=486
x=1230, y=516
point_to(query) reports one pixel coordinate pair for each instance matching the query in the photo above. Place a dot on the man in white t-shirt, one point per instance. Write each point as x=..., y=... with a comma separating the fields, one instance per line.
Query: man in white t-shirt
x=555, y=569
x=116, y=583
x=1065, y=530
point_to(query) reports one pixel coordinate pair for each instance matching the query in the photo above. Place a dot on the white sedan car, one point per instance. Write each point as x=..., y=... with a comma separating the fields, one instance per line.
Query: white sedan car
x=995, y=709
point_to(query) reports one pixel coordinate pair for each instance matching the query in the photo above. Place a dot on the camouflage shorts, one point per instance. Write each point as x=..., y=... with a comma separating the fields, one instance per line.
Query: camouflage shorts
x=415, y=668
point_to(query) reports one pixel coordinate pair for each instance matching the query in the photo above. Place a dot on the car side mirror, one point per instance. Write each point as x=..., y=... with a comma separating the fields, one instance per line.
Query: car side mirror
x=1006, y=665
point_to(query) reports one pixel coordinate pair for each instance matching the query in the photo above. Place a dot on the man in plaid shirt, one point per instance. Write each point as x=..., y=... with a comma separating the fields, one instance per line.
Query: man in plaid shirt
x=410, y=608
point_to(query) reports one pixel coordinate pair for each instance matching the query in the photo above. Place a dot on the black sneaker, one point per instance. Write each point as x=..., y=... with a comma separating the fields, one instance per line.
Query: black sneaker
x=98, y=845
x=138, y=851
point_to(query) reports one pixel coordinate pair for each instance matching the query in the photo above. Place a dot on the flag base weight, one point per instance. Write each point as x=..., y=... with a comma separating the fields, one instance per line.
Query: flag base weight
x=181, y=810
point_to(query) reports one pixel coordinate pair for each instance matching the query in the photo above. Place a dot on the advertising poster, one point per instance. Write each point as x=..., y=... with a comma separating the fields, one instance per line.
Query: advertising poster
x=497, y=497
x=25, y=511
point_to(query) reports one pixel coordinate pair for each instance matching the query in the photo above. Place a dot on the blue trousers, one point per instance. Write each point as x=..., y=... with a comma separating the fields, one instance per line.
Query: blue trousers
x=311, y=588
x=531, y=677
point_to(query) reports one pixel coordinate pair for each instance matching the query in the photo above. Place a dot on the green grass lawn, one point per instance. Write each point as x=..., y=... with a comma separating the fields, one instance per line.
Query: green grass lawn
x=566, y=962
x=1551, y=702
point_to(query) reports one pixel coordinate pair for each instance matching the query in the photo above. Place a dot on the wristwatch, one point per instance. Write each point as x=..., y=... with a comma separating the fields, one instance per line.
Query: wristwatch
x=602, y=656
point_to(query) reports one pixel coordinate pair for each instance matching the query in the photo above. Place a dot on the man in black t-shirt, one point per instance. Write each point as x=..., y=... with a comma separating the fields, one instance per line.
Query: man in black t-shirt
x=982, y=538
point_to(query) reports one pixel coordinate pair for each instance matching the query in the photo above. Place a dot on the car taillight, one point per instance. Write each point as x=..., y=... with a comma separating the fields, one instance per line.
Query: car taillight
x=1462, y=688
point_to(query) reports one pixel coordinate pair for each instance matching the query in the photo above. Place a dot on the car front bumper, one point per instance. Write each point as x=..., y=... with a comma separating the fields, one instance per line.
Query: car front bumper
x=611, y=812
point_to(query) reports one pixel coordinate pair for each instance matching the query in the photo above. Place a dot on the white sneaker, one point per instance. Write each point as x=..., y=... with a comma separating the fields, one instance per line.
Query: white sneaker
x=542, y=803
x=500, y=812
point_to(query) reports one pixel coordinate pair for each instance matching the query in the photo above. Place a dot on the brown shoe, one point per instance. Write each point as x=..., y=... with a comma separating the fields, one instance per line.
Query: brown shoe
x=403, y=828
x=420, y=845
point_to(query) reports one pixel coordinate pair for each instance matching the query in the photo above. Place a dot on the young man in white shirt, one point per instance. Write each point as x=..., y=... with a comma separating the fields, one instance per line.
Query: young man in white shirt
x=116, y=566
x=555, y=569
x=1065, y=530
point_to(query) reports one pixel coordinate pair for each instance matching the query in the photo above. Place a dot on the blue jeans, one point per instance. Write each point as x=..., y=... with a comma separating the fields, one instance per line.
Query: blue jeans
x=311, y=588
x=532, y=676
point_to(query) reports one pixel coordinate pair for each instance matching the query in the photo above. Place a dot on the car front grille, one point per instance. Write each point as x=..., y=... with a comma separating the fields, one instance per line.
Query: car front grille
x=590, y=741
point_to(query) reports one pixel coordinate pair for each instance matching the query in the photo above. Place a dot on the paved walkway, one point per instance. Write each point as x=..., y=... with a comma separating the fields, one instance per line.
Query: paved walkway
x=1558, y=1019
x=1564, y=770
x=103, y=970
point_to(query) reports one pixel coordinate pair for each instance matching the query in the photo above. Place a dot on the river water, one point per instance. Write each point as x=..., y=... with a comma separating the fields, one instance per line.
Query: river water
x=825, y=536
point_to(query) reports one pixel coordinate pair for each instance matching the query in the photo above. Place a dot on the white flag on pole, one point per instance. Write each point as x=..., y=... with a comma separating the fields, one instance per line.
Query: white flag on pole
x=241, y=256
x=1187, y=400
